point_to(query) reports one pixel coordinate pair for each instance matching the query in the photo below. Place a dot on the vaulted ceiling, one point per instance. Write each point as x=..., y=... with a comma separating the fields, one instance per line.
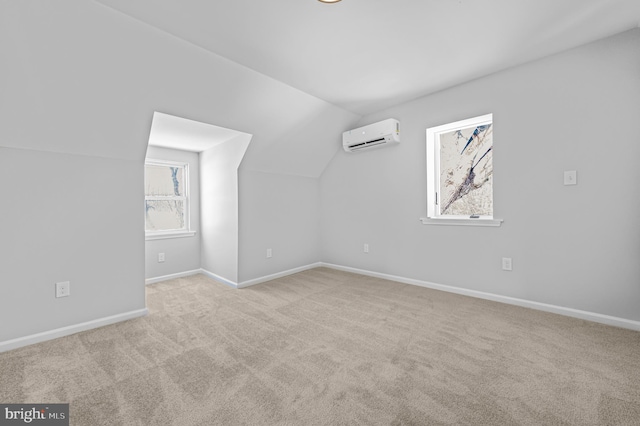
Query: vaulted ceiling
x=365, y=55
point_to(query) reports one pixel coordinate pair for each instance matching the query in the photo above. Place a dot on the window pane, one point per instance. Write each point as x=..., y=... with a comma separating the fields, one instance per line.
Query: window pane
x=466, y=169
x=164, y=180
x=164, y=215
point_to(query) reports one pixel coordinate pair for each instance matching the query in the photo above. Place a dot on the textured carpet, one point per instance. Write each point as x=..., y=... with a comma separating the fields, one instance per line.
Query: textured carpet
x=324, y=347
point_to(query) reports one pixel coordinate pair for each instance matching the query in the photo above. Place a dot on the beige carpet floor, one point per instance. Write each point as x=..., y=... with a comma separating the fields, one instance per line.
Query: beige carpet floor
x=324, y=347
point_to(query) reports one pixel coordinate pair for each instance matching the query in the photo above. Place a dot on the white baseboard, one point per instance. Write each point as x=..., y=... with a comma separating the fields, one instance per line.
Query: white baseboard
x=278, y=275
x=216, y=277
x=72, y=329
x=576, y=313
x=259, y=280
x=570, y=312
x=172, y=276
x=65, y=331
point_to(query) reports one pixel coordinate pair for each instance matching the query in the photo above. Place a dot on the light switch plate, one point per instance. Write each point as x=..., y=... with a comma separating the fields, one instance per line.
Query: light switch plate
x=507, y=264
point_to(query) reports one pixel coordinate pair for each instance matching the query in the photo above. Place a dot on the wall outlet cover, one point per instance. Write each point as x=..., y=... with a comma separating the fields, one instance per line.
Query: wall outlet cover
x=63, y=289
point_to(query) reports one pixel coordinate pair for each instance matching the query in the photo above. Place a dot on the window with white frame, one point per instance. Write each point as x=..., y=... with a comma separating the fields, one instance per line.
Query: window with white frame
x=460, y=170
x=166, y=197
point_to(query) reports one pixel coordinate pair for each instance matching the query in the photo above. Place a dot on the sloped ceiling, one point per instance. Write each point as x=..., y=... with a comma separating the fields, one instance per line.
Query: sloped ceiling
x=85, y=77
x=82, y=78
x=366, y=55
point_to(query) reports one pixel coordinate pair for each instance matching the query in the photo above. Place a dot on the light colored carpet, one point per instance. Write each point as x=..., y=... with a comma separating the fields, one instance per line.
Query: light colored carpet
x=324, y=347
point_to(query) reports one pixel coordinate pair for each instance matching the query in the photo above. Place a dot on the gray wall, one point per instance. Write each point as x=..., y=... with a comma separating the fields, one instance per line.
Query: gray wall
x=280, y=212
x=181, y=254
x=219, y=200
x=573, y=246
x=70, y=218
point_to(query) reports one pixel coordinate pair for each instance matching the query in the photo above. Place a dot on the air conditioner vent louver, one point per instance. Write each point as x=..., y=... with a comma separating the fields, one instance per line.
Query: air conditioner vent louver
x=379, y=134
x=367, y=144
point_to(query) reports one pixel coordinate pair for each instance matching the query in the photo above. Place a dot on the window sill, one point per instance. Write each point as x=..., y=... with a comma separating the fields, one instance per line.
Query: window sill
x=167, y=235
x=461, y=222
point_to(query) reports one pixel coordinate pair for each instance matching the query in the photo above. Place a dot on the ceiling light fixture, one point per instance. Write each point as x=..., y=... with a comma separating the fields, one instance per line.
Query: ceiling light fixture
x=329, y=1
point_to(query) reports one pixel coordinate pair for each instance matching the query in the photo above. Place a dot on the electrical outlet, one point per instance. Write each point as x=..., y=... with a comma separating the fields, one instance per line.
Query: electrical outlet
x=269, y=253
x=63, y=289
x=366, y=248
x=570, y=177
x=507, y=264
x=160, y=257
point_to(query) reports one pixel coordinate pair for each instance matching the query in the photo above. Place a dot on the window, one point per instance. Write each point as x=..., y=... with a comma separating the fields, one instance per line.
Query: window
x=460, y=173
x=166, y=198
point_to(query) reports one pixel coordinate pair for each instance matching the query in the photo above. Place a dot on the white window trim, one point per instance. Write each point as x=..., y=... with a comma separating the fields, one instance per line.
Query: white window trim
x=173, y=233
x=433, y=177
x=461, y=222
x=162, y=235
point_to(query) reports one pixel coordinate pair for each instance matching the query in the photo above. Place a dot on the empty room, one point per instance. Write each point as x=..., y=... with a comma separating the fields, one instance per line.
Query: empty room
x=315, y=212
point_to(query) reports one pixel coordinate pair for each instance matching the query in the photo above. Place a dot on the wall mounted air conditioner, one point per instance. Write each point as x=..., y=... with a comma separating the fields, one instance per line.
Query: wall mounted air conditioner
x=383, y=133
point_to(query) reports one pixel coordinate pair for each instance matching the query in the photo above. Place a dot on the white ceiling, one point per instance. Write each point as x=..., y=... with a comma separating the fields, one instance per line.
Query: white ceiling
x=169, y=131
x=366, y=55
